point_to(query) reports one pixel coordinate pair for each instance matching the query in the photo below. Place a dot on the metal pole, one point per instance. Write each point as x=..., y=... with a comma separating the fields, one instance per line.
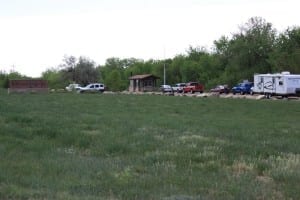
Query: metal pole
x=164, y=65
x=164, y=73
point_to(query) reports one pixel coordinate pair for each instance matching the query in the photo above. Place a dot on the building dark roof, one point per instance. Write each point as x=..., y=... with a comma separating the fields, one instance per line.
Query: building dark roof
x=142, y=76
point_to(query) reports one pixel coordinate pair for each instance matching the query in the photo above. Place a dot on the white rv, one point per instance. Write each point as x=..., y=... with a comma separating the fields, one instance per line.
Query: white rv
x=282, y=84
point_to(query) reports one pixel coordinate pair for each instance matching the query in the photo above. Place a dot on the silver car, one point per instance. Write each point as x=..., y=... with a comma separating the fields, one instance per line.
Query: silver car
x=166, y=88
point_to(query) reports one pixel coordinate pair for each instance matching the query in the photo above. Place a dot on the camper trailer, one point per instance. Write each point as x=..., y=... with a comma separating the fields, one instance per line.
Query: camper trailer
x=281, y=84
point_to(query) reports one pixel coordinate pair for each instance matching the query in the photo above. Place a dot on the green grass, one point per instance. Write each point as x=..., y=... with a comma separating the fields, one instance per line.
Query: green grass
x=96, y=146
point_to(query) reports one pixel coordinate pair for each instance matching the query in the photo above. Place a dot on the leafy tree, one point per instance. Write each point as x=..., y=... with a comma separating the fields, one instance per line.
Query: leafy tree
x=68, y=70
x=221, y=52
x=124, y=67
x=287, y=52
x=195, y=53
x=16, y=75
x=54, y=78
x=3, y=80
x=5, y=77
x=174, y=69
x=114, y=81
x=85, y=71
x=248, y=51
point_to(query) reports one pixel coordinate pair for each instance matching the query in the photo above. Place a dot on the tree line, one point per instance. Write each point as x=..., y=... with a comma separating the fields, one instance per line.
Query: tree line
x=256, y=48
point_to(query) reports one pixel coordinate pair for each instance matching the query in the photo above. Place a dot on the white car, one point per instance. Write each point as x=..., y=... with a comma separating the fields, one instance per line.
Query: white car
x=72, y=87
x=93, y=87
x=178, y=87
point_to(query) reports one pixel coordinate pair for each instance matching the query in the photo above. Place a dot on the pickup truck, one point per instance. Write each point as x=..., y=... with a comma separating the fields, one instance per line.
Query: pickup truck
x=242, y=88
x=193, y=87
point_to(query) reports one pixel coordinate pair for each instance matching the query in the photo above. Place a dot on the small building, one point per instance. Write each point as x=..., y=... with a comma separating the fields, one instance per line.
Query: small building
x=143, y=83
x=28, y=86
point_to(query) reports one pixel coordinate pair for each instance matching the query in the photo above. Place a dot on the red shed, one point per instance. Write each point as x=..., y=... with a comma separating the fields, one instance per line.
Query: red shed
x=31, y=85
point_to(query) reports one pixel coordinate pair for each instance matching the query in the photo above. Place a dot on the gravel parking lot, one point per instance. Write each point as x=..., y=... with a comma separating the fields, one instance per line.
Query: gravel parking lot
x=208, y=95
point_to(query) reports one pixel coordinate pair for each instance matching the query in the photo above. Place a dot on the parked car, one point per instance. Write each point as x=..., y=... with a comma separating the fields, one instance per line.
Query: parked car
x=193, y=87
x=93, y=87
x=220, y=89
x=242, y=88
x=178, y=87
x=72, y=87
x=166, y=88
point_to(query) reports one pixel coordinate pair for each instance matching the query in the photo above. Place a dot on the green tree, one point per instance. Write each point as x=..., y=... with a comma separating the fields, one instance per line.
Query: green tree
x=114, y=81
x=85, y=71
x=287, y=52
x=4, y=79
x=174, y=69
x=68, y=68
x=248, y=51
x=54, y=78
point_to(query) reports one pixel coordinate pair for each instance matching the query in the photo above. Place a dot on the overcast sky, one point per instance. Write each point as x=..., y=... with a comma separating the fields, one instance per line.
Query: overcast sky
x=36, y=34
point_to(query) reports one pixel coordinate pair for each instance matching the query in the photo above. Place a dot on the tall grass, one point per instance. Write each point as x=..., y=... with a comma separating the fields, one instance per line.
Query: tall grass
x=71, y=146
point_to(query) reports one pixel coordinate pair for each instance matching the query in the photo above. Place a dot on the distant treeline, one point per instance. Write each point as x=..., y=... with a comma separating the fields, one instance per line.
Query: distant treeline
x=256, y=48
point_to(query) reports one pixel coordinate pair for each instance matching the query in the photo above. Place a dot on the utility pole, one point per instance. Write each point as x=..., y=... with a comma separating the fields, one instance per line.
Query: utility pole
x=164, y=66
x=164, y=73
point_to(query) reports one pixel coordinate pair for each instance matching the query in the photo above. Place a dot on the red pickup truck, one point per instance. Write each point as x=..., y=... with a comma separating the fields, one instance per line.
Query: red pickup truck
x=193, y=87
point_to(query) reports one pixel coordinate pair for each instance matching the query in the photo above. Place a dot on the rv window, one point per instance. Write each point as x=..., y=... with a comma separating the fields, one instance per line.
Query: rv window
x=280, y=82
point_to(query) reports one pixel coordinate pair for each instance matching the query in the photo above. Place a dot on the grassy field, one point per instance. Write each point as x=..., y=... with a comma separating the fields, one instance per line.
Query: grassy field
x=96, y=146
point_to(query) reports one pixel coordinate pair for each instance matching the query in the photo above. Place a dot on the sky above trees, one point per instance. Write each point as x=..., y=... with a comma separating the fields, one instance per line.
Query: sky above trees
x=36, y=34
